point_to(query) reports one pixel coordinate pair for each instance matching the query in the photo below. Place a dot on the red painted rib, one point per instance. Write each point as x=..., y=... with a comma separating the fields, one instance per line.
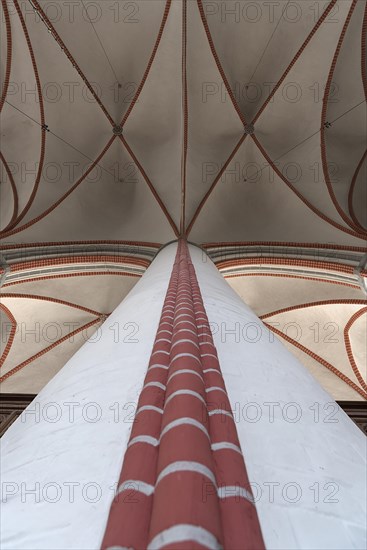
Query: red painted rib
x=63, y=47
x=150, y=185
x=330, y=246
x=218, y=63
x=363, y=56
x=61, y=199
x=314, y=209
x=9, y=51
x=14, y=191
x=319, y=359
x=42, y=118
x=54, y=300
x=185, y=111
x=183, y=460
x=150, y=62
x=348, y=346
x=326, y=12
x=355, y=231
x=13, y=329
x=351, y=192
x=211, y=188
x=325, y=166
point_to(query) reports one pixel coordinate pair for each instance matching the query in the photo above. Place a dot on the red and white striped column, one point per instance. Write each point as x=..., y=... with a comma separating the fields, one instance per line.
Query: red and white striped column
x=179, y=470
x=183, y=482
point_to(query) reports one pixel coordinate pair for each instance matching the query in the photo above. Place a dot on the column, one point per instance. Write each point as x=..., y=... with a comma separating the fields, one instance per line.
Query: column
x=202, y=434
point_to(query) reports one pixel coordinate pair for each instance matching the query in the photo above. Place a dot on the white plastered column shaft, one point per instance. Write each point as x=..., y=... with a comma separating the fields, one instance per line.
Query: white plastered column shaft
x=305, y=458
x=77, y=459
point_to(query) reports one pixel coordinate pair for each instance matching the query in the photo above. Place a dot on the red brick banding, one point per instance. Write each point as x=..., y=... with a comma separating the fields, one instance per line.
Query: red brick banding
x=316, y=279
x=69, y=260
x=311, y=264
x=286, y=244
x=67, y=275
x=71, y=243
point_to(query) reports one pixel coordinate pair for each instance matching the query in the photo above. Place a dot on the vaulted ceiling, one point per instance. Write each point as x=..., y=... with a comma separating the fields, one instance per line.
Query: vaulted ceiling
x=240, y=125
